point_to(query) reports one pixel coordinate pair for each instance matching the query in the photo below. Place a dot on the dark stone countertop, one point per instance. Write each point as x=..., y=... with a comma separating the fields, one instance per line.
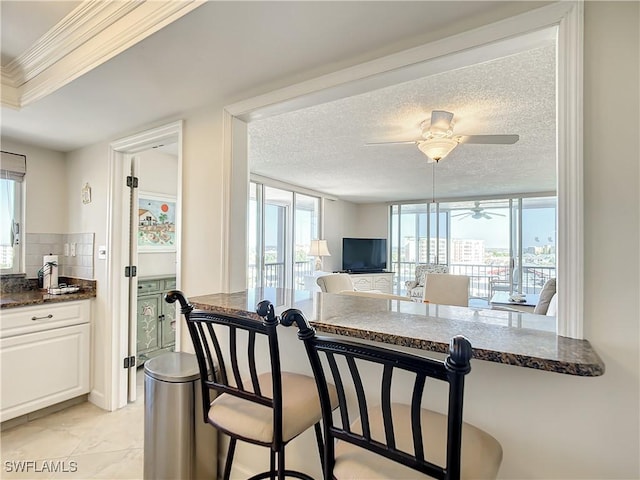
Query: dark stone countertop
x=18, y=292
x=520, y=339
x=37, y=297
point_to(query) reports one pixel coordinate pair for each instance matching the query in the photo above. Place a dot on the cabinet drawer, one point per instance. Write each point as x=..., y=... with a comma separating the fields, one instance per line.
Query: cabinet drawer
x=169, y=284
x=43, y=317
x=148, y=286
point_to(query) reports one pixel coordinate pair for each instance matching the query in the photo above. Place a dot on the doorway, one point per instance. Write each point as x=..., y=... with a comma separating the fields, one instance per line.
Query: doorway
x=282, y=224
x=147, y=242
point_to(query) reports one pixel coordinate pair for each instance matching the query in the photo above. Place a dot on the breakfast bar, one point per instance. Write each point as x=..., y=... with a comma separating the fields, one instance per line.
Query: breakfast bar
x=511, y=338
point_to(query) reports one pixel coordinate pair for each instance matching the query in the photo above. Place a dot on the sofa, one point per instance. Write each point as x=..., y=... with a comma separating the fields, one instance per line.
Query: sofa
x=415, y=288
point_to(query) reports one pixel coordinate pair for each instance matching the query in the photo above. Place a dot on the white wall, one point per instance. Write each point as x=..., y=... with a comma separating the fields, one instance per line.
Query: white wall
x=202, y=204
x=157, y=173
x=46, y=187
x=339, y=220
x=90, y=165
x=373, y=220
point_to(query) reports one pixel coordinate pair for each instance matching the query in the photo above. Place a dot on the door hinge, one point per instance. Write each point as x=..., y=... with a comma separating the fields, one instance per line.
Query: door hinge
x=130, y=271
x=130, y=362
x=132, y=182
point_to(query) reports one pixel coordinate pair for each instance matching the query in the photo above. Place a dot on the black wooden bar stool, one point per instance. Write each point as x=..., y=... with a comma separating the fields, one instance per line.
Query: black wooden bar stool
x=267, y=408
x=391, y=440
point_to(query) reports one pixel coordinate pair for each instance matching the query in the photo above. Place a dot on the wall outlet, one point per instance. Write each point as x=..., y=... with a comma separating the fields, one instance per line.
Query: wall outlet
x=102, y=252
x=72, y=249
x=66, y=249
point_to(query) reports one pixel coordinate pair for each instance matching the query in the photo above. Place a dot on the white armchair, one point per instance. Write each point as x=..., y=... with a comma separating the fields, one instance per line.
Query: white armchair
x=415, y=288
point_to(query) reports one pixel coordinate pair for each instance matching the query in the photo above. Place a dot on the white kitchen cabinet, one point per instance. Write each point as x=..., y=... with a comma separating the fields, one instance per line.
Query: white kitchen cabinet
x=44, y=356
x=373, y=281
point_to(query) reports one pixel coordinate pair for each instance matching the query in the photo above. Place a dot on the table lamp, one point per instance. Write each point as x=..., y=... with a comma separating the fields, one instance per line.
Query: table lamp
x=318, y=249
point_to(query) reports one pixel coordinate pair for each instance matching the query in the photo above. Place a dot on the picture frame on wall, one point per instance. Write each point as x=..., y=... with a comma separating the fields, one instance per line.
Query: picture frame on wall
x=156, y=222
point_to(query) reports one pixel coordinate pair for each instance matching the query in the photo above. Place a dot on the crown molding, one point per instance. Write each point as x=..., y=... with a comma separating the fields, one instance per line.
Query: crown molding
x=91, y=34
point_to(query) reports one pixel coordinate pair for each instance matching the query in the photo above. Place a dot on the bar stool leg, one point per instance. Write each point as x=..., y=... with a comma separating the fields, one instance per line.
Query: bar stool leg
x=229, y=461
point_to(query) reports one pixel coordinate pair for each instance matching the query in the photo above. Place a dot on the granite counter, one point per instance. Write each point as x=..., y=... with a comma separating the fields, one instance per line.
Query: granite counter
x=520, y=339
x=17, y=291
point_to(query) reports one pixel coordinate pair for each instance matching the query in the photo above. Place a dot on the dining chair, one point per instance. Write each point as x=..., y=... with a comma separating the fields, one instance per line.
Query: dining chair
x=335, y=283
x=386, y=439
x=268, y=408
x=446, y=289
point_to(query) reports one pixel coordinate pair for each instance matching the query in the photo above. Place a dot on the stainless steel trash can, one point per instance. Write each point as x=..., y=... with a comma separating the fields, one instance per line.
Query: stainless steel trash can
x=177, y=443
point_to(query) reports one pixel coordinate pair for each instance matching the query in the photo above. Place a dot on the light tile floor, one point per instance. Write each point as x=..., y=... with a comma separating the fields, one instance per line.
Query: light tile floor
x=80, y=442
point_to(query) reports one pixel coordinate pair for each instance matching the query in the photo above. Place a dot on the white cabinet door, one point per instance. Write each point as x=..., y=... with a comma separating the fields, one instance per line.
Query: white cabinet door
x=383, y=282
x=362, y=282
x=373, y=281
x=43, y=368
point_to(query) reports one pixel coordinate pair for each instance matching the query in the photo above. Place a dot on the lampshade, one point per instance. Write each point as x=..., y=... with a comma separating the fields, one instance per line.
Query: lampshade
x=437, y=148
x=318, y=248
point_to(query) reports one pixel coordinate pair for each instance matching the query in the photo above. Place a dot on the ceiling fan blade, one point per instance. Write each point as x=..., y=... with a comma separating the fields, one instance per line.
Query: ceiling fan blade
x=407, y=142
x=441, y=120
x=488, y=139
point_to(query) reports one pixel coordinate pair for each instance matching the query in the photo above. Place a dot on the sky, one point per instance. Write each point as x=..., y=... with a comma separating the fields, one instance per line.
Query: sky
x=538, y=228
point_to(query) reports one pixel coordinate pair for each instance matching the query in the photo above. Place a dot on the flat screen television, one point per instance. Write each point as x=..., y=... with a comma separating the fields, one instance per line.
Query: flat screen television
x=361, y=255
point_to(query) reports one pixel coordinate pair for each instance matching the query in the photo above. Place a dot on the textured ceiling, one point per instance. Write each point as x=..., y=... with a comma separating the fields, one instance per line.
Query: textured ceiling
x=323, y=147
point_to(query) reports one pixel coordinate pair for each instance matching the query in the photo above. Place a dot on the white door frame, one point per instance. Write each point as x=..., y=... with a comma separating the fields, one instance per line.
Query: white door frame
x=117, y=307
x=480, y=44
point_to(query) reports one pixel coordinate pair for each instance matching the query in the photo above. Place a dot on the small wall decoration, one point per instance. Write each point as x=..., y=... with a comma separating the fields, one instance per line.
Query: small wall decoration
x=86, y=193
x=156, y=222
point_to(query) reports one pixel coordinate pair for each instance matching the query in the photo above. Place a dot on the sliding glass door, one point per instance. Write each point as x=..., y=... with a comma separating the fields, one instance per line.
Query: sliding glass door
x=282, y=224
x=501, y=244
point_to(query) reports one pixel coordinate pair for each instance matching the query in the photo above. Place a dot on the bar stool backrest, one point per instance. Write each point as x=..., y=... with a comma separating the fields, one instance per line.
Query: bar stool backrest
x=341, y=361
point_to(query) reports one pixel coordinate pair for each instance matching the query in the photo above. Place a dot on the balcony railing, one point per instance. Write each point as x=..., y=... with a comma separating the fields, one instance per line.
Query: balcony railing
x=274, y=275
x=482, y=278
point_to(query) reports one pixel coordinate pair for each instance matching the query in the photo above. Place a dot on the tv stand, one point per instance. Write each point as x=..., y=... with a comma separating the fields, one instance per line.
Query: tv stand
x=363, y=281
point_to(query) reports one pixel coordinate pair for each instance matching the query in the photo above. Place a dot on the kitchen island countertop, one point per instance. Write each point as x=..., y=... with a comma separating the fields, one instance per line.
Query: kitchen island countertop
x=520, y=339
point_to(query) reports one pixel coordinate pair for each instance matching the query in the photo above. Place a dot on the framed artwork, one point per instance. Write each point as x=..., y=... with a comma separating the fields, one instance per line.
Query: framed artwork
x=156, y=222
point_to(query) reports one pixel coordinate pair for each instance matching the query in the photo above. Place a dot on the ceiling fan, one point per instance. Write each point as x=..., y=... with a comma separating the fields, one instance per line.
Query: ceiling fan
x=438, y=139
x=477, y=213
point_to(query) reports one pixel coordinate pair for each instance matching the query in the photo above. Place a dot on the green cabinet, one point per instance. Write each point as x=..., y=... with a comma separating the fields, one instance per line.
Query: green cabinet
x=156, y=319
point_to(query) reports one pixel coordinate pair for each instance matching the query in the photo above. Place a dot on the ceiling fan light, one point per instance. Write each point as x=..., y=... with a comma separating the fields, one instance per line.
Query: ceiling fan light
x=437, y=148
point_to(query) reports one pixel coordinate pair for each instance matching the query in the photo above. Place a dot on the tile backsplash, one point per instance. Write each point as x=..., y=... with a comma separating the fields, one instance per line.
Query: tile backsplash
x=40, y=244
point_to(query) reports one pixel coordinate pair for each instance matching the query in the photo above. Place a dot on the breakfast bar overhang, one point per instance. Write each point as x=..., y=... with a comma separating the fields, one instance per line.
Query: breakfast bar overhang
x=519, y=339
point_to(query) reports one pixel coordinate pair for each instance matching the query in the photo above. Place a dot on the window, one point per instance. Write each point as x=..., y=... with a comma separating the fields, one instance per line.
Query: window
x=12, y=172
x=282, y=224
x=504, y=244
